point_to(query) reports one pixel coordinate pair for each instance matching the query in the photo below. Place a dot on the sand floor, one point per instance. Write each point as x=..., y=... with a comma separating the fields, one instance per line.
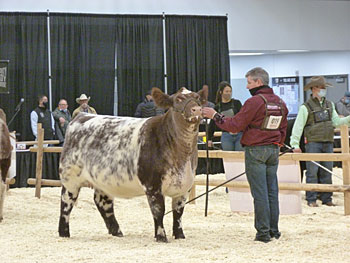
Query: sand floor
x=29, y=232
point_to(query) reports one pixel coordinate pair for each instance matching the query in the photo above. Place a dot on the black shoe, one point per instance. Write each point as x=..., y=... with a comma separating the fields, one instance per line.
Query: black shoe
x=263, y=239
x=276, y=235
x=329, y=203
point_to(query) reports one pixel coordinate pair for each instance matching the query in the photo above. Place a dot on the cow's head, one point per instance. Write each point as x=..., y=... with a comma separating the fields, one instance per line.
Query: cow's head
x=185, y=102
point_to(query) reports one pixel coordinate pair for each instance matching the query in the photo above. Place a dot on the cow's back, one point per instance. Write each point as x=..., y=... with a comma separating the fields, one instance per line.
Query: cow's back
x=105, y=151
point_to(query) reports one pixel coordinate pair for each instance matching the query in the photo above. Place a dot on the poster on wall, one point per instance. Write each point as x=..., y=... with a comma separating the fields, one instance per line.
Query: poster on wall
x=287, y=88
x=4, y=76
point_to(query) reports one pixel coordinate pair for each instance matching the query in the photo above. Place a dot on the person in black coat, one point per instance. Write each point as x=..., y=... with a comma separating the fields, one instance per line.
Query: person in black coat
x=147, y=108
x=229, y=107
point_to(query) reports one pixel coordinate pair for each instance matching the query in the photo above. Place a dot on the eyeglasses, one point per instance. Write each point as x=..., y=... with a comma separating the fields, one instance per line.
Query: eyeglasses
x=63, y=104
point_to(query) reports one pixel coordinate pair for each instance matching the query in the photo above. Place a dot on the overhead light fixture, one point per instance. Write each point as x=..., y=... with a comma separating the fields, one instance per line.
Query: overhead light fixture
x=244, y=54
x=292, y=50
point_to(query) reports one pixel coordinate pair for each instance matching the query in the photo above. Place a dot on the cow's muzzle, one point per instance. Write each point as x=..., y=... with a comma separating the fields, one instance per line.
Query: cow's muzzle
x=196, y=114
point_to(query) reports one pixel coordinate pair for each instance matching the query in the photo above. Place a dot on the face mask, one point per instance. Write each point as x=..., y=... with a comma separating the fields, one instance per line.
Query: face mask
x=46, y=104
x=322, y=93
x=347, y=100
x=226, y=96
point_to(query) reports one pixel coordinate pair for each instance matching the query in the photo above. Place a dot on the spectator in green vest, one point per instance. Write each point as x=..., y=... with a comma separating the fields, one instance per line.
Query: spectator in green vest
x=317, y=117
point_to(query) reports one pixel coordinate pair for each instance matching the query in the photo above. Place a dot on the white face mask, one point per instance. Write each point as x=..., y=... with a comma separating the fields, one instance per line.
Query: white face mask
x=322, y=93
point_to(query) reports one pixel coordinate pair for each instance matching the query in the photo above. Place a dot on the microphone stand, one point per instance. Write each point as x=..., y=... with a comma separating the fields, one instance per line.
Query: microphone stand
x=14, y=116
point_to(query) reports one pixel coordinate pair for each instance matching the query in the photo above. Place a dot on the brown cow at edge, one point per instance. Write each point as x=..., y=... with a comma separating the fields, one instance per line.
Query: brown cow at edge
x=5, y=158
x=128, y=157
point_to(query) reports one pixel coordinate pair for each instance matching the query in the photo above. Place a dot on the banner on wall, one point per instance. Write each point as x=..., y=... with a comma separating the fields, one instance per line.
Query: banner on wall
x=287, y=88
x=4, y=76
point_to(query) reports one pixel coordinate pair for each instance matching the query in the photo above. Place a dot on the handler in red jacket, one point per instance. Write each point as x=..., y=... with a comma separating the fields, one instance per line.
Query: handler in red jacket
x=263, y=120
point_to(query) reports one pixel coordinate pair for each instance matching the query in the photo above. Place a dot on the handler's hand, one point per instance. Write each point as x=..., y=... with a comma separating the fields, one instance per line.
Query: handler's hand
x=62, y=120
x=208, y=112
x=296, y=150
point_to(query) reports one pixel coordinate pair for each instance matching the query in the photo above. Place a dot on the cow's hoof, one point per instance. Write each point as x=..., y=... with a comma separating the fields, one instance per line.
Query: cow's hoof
x=179, y=236
x=117, y=233
x=63, y=233
x=1, y=218
x=162, y=239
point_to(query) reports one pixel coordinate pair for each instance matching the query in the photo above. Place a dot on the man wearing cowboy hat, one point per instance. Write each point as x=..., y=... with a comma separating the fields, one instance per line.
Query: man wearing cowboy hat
x=84, y=106
x=317, y=117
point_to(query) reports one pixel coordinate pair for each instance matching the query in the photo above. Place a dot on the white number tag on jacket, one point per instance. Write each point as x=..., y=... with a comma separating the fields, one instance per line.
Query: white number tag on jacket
x=273, y=122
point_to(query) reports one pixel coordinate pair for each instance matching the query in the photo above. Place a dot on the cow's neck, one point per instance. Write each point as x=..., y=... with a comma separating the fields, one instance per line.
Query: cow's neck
x=183, y=133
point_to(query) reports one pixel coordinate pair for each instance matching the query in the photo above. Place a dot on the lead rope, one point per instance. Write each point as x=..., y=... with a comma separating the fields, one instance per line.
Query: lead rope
x=227, y=181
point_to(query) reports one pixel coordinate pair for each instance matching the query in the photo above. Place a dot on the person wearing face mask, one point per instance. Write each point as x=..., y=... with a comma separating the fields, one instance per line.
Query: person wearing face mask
x=83, y=100
x=42, y=114
x=263, y=120
x=62, y=118
x=229, y=107
x=317, y=117
x=343, y=105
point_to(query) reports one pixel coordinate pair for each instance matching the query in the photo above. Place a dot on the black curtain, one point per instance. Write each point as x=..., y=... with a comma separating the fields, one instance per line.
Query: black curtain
x=23, y=41
x=83, y=59
x=139, y=59
x=197, y=52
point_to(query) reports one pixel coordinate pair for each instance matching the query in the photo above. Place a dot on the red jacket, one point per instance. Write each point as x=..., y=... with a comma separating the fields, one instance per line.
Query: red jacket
x=251, y=114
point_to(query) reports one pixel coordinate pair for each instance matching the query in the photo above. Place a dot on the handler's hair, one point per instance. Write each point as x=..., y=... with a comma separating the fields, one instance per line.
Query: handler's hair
x=221, y=87
x=40, y=96
x=258, y=73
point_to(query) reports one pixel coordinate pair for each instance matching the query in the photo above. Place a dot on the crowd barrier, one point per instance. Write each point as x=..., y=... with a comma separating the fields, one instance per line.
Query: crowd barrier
x=343, y=157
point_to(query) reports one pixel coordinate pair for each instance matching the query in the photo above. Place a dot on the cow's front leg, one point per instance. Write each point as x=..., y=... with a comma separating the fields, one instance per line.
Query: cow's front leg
x=105, y=205
x=68, y=199
x=178, y=205
x=156, y=203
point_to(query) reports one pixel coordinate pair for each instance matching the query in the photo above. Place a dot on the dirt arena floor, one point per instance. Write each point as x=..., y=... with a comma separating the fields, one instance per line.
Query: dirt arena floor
x=29, y=232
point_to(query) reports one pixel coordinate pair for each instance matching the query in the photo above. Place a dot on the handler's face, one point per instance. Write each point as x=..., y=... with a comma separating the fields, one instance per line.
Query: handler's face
x=251, y=84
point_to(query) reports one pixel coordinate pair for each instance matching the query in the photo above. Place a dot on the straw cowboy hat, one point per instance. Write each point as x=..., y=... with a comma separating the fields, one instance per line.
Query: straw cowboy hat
x=317, y=81
x=82, y=97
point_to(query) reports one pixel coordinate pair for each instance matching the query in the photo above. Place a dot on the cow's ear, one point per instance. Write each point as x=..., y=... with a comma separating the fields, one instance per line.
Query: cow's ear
x=203, y=94
x=161, y=99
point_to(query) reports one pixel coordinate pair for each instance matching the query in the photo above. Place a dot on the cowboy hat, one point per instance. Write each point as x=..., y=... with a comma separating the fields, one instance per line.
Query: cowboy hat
x=82, y=97
x=317, y=81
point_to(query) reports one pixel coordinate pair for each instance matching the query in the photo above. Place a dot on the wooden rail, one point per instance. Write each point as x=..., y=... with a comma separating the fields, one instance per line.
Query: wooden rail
x=344, y=157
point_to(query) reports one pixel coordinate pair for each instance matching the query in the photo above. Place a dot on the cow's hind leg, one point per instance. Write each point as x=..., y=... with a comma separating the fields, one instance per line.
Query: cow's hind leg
x=68, y=199
x=178, y=205
x=105, y=205
x=157, y=205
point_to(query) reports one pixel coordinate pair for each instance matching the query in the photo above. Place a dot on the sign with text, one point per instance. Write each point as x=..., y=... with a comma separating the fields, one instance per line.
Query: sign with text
x=4, y=76
x=287, y=88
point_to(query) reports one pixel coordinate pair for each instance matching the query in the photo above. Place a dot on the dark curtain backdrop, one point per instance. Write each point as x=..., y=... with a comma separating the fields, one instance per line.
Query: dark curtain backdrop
x=197, y=52
x=139, y=59
x=23, y=41
x=83, y=59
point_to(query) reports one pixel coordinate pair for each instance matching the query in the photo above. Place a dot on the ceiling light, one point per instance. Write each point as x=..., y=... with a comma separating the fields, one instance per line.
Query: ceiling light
x=244, y=54
x=292, y=50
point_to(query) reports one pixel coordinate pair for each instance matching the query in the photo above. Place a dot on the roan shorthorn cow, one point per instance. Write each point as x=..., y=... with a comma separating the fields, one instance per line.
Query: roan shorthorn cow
x=128, y=157
x=5, y=158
